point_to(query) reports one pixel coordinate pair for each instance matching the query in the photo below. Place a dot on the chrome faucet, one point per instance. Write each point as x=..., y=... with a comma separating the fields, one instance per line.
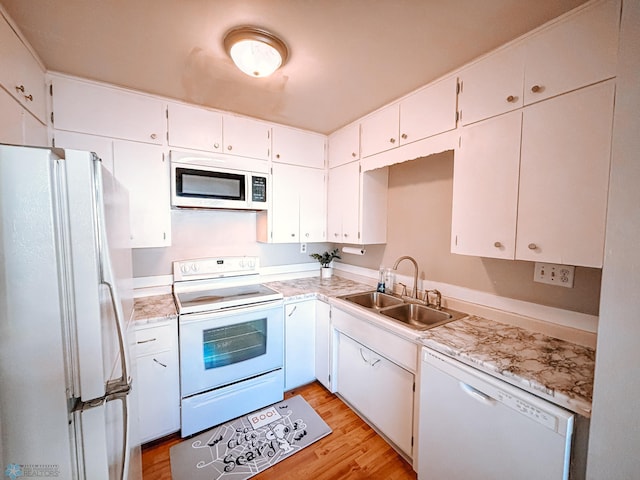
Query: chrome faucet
x=415, y=272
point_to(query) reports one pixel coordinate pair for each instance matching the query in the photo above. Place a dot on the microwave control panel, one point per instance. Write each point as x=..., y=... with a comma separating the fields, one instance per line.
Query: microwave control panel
x=258, y=189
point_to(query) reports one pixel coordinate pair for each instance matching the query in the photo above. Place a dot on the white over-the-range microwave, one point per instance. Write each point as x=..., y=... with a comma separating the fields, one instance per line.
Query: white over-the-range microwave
x=199, y=181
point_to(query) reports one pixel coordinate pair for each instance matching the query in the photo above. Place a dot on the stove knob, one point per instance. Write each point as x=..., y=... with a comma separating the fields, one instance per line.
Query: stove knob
x=184, y=268
x=195, y=267
x=252, y=262
x=241, y=263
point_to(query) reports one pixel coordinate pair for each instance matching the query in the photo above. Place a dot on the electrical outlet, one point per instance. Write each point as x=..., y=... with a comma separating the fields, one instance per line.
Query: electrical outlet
x=303, y=248
x=553, y=274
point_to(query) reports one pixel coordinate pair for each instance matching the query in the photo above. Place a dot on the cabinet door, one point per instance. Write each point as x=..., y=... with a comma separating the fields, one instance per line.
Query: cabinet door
x=193, y=127
x=285, y=204
x=344, y=145
x=380, y=131
x=10, y=119
x=21, y=74
x=142, y=169
x=300, y=343
x=35, y=132
x=492, y=85
x=485, y=188
x=101, y=146
x=85, y=107
x=323, y=344
x=297, y=147
x=379, y=389
x=429, y=111
x=246, y=137
x=343, y=203
x=574, y=53
x=313, y=205
x=157, y=384
x=564, y=178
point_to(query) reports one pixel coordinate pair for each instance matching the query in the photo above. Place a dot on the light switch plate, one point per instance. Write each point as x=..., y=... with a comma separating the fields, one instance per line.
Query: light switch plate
x=554, y=274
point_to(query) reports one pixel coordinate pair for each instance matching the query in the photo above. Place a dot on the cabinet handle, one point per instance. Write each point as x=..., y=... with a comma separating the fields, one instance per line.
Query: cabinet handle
x=536, y=88
x=277, y=155
x=149, y=340
x=153, y=136
x=346, y=235
x=229, y=148
x=293, y=234
x=160, y=363
x=373, y=364
x=20, y=88
x=353, y=154
x=404, y=136
x=532, y=246
x=293, y=310
x=497, y=244
x=29, y=97
x=306, y=235
x=216, y=145
x=336, y=234
x=392, y=140
x=511, y=99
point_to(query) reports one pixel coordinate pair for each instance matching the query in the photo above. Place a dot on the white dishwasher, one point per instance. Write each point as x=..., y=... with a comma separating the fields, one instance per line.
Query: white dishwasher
x=473, y=426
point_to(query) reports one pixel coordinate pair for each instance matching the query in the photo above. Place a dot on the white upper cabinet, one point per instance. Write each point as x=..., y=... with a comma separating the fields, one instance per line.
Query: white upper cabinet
x=344, y=145
x=554, y=170
x=85, y=107
x=564, y=178
x=492, y=86
x=246, y=137
x=101, y=146
x=194, y=127
x=574, y=53
x=380, y=131
x=143, y=170
x=21, y=74
x=11, y=130
x=297, y=212
x=357, y=205
x=297, y=147
x=429, y=111
x=485, y=188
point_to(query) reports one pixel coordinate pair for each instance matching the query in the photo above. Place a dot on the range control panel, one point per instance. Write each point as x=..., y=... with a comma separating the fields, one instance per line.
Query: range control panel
x=202, y=268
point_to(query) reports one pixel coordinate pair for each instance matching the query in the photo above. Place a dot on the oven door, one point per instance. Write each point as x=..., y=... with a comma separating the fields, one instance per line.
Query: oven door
x=219, y=348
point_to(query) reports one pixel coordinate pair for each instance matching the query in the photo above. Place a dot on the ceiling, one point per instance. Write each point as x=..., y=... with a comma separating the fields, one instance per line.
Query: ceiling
x=347, y=57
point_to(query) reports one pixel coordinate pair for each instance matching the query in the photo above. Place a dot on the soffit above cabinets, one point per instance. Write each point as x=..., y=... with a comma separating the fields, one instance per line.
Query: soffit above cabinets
x=348, y=58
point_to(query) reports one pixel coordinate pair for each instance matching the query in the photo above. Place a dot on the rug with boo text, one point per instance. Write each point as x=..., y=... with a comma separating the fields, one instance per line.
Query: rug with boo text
x=247, y=445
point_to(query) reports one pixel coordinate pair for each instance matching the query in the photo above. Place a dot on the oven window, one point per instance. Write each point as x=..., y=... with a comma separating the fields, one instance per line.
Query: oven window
x=234, y=343
x=206, y=184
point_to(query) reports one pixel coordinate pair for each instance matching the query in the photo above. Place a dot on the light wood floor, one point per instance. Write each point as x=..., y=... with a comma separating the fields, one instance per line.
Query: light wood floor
x=352, y=451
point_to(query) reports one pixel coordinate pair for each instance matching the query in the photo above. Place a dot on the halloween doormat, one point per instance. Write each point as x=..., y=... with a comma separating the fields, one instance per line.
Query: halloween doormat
x=246, y=446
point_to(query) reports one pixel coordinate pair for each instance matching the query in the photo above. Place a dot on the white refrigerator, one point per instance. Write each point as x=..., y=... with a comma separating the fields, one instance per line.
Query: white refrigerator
x=67, y=387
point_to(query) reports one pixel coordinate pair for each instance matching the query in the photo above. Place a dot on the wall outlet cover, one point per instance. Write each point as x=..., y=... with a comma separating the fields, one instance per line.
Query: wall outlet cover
x=303, y=248
x=554, y=274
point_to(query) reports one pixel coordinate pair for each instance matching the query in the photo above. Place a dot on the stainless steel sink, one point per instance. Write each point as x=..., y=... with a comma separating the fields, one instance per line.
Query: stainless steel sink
x=375, y=300
x=420, y=317
x=408, y=312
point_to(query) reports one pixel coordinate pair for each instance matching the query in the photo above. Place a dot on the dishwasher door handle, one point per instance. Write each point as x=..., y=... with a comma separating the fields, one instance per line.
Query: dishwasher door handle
x=477, y=394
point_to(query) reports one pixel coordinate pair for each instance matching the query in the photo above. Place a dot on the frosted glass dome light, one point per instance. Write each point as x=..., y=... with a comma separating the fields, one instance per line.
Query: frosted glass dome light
x=255, y=52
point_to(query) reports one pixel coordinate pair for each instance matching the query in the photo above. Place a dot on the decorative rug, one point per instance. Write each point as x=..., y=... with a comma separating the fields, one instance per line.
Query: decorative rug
x=246, y=446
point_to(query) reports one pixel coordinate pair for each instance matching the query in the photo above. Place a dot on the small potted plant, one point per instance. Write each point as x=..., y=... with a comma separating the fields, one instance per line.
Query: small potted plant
x=325, y=260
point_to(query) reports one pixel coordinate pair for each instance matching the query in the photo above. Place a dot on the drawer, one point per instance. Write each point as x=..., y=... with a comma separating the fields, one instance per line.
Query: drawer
x=155, y=339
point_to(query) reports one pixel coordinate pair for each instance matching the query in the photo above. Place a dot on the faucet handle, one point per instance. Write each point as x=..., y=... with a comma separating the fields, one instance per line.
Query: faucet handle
x=438, y=300
x=404, y=289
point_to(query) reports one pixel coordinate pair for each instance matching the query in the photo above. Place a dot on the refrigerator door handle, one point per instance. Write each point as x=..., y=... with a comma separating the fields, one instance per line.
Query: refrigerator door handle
x=106, y=274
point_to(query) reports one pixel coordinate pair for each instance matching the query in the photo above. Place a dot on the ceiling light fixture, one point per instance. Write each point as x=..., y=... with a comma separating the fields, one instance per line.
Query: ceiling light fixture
x=256, y=52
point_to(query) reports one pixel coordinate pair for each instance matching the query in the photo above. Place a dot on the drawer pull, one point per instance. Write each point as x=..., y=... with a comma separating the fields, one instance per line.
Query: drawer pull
x=159, y=363
x=146, y=341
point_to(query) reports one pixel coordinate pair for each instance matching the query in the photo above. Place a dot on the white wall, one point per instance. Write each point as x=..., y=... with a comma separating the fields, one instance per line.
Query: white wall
x=614, y=446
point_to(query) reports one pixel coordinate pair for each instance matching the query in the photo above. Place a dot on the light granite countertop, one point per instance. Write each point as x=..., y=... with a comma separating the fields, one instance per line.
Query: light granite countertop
x=157, y=308
x=554, y=369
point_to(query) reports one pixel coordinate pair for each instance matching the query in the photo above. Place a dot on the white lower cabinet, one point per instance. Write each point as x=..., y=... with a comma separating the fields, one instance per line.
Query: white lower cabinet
x=323, y=350
x=157, y=381
x=379, y=389
x=299, y=355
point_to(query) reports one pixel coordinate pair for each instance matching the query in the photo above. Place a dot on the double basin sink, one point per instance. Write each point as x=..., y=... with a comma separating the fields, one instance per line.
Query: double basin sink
x=408, y=312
